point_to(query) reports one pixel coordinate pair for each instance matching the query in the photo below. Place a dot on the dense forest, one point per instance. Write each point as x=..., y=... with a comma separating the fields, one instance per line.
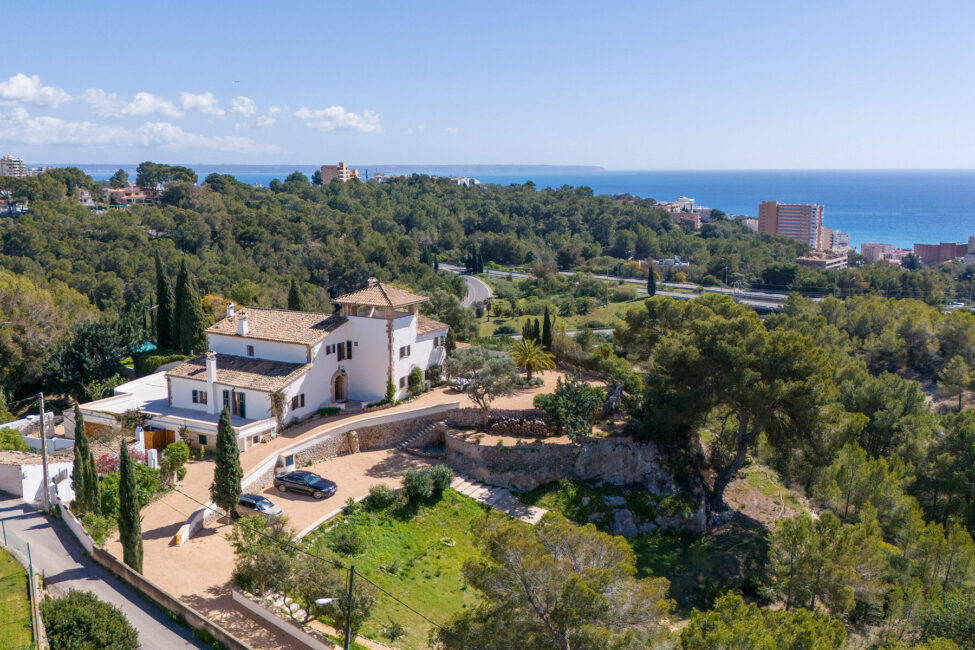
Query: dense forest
x=62, y=263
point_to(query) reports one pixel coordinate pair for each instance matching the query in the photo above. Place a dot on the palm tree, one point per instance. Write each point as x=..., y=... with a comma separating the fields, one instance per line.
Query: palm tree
x=532, y=356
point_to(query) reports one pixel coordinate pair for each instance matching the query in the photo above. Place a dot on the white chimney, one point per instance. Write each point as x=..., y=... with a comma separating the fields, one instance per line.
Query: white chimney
x=230, y=310
x=211, y=377
x=211, y=366
x=242, y=324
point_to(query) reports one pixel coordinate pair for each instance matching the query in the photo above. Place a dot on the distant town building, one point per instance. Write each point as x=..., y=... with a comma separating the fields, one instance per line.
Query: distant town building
x=683, y=210
x=84, y=196
x=750, y=222
x=799, y=222
x=931, y=254
x=341, y=172
x=823, y=260
x=831, y=239
x=970, y=255
x=874, y=252
x=125, y=196
x=466, y=181
x=381, y=178
x=10, y=166
x=671, y=261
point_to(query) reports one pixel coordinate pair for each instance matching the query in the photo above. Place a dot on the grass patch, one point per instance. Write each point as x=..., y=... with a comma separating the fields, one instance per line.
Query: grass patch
x=610, y=315
x=416, y=554
x=765, y=481
x=15, y=625
x=699, y=567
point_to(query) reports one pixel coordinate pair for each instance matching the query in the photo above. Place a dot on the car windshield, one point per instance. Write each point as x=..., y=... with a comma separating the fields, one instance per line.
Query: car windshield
x=263, y=504
x=317, y=481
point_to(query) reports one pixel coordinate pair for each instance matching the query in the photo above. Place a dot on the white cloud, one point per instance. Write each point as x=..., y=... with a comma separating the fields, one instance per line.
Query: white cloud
x=273, y=110
x=265, y=120
x=170, y=136
x=241, y=105
x=336, y=118
x=203, y=102
x=28, y=90
x=111, y=105
x=451, y=129
x=19, y=127
x=147, y=104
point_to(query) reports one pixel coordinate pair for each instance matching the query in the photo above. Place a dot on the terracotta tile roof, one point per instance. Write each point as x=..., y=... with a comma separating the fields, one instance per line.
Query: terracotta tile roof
x=425, y=325
x=379, y=294
x=243, y=372
x=280, y=325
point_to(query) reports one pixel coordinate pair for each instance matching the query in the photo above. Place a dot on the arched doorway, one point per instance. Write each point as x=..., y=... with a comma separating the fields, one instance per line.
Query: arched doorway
x=340, y=386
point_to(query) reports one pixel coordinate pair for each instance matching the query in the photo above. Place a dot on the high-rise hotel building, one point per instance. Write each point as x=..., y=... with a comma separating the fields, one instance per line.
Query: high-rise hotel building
x=802, y=223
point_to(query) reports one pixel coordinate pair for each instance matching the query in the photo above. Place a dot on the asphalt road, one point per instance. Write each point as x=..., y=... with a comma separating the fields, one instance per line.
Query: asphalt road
x=477, y=289
x=58, y=556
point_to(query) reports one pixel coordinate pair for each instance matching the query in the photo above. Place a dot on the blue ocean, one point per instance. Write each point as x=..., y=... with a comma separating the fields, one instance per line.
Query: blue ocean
x=899, y=207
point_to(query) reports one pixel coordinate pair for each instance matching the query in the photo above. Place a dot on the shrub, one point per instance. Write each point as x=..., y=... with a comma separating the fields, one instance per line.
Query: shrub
x=440, y=477
x=346, y=540
x=417, y=485
x=623, y=293
x=434, y=375
x=147, y=363
x=80, y=620
x=351, y=507
x=147, y=484
x=381, y=497
x=329, y=411
x=12, y=440
x=504, y=330
x=390, y=391
x=98, y=526
x=174, y=456
x=393, y=630
x=415, y=382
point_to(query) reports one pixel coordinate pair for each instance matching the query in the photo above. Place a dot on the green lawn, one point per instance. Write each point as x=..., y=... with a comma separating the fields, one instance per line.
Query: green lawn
x=603, y=316
x=15, y=624
x=408, y=555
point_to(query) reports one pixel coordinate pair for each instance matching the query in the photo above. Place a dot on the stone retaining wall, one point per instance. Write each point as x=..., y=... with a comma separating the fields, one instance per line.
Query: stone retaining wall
x=615, y=460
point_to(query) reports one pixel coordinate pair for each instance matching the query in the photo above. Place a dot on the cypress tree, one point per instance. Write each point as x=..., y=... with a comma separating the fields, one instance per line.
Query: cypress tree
x=537, y=331
x=225, y=489
x=190, y=319
x=651, y=283
x=450, y=341
x=547, y=331
x=164, y=308
x=436, y=262
x=79, y=469
x=527, y=331
x=129, y=525
x=295, y=300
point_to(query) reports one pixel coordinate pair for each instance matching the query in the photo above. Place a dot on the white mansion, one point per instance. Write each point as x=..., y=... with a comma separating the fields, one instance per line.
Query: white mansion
x=309, y=360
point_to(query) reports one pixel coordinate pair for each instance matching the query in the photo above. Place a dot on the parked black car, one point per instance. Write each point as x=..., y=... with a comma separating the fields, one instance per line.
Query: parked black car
x=306, y=482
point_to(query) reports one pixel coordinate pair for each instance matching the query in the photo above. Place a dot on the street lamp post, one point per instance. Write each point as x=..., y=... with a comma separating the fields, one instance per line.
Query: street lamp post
x=321, y=602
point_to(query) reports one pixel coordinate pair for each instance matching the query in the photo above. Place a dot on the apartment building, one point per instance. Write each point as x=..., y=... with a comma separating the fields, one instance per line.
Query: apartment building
x=10, y=166
x=341, y=172
x=823, y=261
x=930, y=254
x=799, y=222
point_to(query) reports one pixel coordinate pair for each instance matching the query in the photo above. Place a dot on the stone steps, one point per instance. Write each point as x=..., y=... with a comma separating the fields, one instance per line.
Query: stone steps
x=498, y=498
x=408, y=444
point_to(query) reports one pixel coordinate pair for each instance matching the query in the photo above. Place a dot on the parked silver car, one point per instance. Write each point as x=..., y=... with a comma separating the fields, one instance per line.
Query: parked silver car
x=255, y=504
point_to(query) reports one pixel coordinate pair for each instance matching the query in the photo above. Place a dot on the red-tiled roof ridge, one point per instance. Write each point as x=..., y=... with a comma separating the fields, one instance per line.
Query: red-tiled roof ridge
x=380, y=294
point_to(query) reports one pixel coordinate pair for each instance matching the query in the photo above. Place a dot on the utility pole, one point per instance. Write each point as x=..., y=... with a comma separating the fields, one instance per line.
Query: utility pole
x=47, y=480
x=348, y=611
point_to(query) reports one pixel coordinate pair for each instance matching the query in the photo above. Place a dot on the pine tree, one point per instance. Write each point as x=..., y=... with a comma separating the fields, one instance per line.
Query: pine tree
x=225, y=489
x=450, y=342
x=547, y=331
x=129, y=525
x=296, y=301
x=164, y=308
x=652, y=283
x=190, y=319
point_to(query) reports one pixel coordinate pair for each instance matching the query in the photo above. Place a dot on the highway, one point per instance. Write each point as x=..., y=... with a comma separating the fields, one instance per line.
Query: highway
x=758, y=300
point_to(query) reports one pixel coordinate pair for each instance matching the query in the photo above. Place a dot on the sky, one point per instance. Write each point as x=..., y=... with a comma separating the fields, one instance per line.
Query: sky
x=655, y=85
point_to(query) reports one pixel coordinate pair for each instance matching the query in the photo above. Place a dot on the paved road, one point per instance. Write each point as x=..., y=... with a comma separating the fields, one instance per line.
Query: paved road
x=477, y=289
x=56, y=553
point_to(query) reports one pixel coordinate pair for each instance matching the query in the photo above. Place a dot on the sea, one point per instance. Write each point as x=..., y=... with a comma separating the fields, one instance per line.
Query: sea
x=898, y=207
